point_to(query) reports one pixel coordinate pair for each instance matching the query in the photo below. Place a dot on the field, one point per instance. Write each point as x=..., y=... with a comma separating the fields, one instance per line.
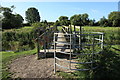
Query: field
x=111, y=54
x=111, y=34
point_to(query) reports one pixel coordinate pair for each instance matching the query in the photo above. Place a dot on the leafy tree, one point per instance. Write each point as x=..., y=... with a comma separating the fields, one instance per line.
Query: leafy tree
x=114, y=18
x=18, y=19
x=5, y=9
x=104, y=22
x=85, y=19
x=32, y=15
x=64, y=20
x=57, y=23
x=76, y=20
x=91, y=22
x=10, y=20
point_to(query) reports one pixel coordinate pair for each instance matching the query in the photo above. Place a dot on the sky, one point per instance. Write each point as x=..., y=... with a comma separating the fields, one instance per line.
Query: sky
x=51, y=11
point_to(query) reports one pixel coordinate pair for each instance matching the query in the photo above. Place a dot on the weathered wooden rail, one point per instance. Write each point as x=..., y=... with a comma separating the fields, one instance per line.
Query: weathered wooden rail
x=45, y=40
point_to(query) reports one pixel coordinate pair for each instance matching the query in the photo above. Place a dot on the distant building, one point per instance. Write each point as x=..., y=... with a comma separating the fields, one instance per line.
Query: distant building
x=119, y=6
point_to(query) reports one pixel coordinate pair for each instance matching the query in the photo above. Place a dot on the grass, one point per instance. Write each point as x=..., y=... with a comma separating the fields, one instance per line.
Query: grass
x=109, y=61
x=108, y=67
x=111, y=34
x=26, y=28
x=7, y=57
x=101, y=29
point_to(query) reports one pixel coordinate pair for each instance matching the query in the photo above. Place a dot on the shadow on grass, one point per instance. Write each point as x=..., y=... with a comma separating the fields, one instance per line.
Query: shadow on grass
x=109, y=66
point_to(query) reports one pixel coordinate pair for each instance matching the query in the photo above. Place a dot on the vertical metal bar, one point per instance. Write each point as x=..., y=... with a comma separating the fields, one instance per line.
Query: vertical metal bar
x=93, y=45
x=70, y=52
x=70, y=29
x=74, y=28
x=102, y=42
x=54, y=54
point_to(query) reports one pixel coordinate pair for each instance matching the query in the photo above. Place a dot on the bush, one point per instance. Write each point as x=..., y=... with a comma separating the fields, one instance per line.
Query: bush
x=17, y=40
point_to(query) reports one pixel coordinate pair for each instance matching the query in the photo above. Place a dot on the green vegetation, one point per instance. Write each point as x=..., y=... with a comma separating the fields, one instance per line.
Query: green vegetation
x=108, y=61
x=108, y=66
x=7, y=57
x=64, y=20
x=114, y=19
x=32, y=15
x=111, y=34
x=18, y=39
x=10, y=20
x=21, y=40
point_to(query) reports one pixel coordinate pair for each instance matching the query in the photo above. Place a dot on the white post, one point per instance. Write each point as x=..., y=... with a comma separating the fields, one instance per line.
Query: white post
x=70, y=52
x=102, y=42
x=54, y=55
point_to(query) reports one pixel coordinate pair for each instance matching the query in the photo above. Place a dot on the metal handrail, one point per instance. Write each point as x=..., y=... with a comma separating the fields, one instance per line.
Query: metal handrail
x=71, y=52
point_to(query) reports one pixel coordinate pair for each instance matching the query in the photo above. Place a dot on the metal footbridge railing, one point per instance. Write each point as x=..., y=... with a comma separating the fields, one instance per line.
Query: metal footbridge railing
x=81, y=49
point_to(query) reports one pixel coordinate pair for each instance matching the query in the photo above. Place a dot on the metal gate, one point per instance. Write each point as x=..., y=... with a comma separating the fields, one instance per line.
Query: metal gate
x=83, y=50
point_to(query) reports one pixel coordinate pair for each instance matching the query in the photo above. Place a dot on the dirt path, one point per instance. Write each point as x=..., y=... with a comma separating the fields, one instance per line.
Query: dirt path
x=30, y=67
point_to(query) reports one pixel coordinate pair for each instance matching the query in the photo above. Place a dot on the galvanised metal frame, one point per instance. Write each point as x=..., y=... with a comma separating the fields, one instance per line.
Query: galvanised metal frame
x=73, y=44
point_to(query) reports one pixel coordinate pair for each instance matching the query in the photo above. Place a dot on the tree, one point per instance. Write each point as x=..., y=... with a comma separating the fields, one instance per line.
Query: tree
x=76, y=20
x=85, y=19
x=64, y=20
x=114, y=18
x=32, y=15
x=91, y=22
x=19, y=20
x=5, y=9
x=10, y=20
x=57, y=23
x=103, y=22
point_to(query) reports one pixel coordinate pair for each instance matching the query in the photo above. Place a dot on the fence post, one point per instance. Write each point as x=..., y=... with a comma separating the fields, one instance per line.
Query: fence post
x=102, y=42
x=54, y=54
x=93, y=48
x=38, y=47
x=80, y=43
x=45, y=44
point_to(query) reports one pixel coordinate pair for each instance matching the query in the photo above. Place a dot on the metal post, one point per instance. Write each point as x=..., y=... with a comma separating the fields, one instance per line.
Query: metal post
x=74, y=28
x=54, y=54
x=102, y=42
x=93, y=45
x=70, y=29
x=70, y=52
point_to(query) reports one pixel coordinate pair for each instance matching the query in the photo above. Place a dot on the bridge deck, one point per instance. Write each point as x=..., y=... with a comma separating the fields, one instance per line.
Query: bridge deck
x=61, y=44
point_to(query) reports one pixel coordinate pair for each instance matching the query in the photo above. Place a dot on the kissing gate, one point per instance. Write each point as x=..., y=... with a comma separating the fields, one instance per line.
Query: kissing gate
x=82, y=48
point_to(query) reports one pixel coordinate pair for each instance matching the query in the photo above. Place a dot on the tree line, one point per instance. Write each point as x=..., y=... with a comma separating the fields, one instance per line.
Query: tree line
x=83, y=20
x=11, y=20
